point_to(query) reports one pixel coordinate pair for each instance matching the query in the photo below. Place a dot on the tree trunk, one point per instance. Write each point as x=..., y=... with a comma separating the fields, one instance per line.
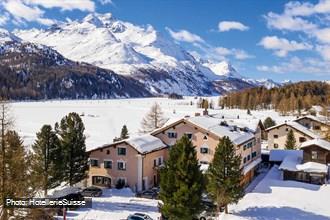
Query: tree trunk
x=226, y=209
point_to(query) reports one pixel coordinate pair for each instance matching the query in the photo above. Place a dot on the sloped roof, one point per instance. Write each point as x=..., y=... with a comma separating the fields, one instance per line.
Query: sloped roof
x=318, y=142
x=313, y=167
x=296, y=126
x=214, y=125
x=145, y=143
x=279, y=154
x=313, y=118
x=292, y=163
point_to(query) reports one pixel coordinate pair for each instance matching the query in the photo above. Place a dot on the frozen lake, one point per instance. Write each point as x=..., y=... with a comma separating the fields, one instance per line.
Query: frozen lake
x=104, y=119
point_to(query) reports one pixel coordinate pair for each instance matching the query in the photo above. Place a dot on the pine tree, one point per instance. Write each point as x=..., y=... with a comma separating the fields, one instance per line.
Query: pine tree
x=17, y=184
x=47, y=159
x=225, y=175
x=290, y=141
x=5, y=125
x=181, y=182
x=269, y=122
x=153, y=120
x=72, y=138
x=124, y=132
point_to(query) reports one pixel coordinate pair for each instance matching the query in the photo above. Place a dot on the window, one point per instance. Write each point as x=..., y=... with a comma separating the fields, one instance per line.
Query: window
x=205, y=138
x=159, y=161
x=275, y=145
x=244, y=160
x=121, y=151
x=316, y=127
x=121, y=165
x=108, y=151
x=189, y=135
x=248, y=157
x=302, y=139
x=155, y=162
x=94, y=163
x=204, y=150
x=172, y=134
x=287, y=129
x=254, y=154
x=314, y=155
x=275, y=136
x=108, y=164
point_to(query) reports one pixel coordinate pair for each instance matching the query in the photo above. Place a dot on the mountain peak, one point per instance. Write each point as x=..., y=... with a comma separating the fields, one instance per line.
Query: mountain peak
x=98, y=20
x=223, y=69
x=6, y=36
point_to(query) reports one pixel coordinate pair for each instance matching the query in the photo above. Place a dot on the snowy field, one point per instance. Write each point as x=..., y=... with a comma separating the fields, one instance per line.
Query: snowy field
x=275, y=199
x=104, y=118
x=116, y=205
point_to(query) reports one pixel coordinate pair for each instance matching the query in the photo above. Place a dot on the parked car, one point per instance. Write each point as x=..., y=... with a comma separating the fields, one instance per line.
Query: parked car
x=139, y=216
x=92, y=192
x=149, y=194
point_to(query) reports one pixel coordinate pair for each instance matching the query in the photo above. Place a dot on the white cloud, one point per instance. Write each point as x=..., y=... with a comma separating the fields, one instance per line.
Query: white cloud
x=307, y=9
x=241, y=54
x=4, y=18
x=82, y=5
x=297, y=65
x=323, y=35
x=105, y=2
x=289, y=23
x=324, y=51
x=185, y=36
x=24, y=11
x=282, y=46
x=231, y=25
x=220, y=53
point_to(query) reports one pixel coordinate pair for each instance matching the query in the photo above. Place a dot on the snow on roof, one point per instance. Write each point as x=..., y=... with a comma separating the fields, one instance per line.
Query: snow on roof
x=213, y=125
x=251, y=165
x=313, y=167
x=303, y=129
x=145, y=143
x=298, y=127
x=279, y=155
x=312, y=117
x=250, y=123
x=318, y=142
x=65, y=191
x=290, y=163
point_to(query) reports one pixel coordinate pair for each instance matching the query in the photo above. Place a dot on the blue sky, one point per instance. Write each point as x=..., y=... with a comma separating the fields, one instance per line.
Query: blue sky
x=263, y=39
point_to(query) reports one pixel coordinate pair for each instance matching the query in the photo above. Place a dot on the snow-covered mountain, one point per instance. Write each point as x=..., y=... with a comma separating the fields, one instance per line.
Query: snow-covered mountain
x=139, y=53
x=223, y=69
x=35, y=71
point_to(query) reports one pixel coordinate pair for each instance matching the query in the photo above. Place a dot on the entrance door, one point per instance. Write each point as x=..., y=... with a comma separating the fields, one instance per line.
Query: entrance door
x=101, y=181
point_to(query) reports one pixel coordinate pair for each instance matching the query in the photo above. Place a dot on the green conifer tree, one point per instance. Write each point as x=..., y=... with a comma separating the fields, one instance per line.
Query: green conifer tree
x=181, y=182
x=75, y=159
x=124, y=132
x=290, y=143
x=269, y=122
x=224, y=175
x=17, y=184
x=47, y=160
